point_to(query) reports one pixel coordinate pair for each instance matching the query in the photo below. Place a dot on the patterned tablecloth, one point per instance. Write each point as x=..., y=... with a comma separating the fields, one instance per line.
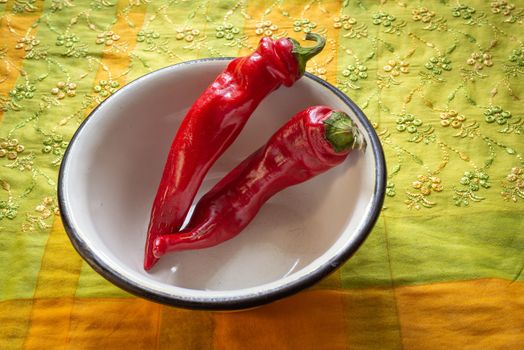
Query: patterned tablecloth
x=440, y=80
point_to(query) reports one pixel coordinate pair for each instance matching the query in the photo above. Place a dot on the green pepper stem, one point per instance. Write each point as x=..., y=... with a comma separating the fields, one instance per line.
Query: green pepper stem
x=304, y=54
x=342, y=133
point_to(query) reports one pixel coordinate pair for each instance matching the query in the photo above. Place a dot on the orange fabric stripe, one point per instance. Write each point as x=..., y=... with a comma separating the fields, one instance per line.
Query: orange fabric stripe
x=58, y=277
x=14, y=320
x=372, y=320
x=480, y=314
x=49, y=323
x=114, y=323
x=185, y=329
x=13, y=61
x=94, y=323
x=355, y=319
x=309, y=320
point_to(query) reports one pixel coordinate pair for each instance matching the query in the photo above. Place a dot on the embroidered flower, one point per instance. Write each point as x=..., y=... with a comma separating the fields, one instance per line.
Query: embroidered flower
x=47, y=208
x=27, y=43
x=390, y=189
x=344, y=22
x=426, y=184
x=72, y=45
x=31, y=46
x=149, y=36
x=394, y=67
x=463, y=11
x=355, y=72
x=502, y=6
x=54, y=144
x=517, y=56
x=22, y=91
x=513, y=187
x=474, y=180
x=451, y=118
x=104, y=88
x=42, y=212
x=187, y=34
x=350, y=25
x=62, y=90
x=226, y=31
x=10, y=148
x=319, y=71
x=514, y=174
x=304, y=25
x=107, y=38
x=409, y=123
x=384, y=19
x=66, y=40
x=8, y=209
x=422, y=14
x=479, y=60
x=266, y=28
x=438, y=64
x=496, y=114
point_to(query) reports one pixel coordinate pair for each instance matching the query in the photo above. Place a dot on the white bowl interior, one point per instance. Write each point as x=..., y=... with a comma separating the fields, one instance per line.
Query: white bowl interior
x=114, y=167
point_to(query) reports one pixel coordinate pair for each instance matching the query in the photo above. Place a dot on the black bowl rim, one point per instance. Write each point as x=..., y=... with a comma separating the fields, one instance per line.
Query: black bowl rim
x=255, y=299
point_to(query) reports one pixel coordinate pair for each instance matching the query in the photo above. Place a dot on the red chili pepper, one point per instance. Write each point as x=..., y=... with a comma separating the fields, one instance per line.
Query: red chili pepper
x=313, y=141
x=215, y=120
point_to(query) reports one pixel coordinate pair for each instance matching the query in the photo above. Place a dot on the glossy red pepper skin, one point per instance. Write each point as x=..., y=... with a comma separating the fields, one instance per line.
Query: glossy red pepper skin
x=212, y=124
x=295, y=153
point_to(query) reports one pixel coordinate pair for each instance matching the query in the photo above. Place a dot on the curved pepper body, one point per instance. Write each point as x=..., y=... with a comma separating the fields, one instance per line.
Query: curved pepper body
x=211, y=125
x=295, y=153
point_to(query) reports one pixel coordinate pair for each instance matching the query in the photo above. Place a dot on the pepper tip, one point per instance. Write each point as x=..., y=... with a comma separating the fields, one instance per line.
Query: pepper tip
x=159, y=247
x=150, y=259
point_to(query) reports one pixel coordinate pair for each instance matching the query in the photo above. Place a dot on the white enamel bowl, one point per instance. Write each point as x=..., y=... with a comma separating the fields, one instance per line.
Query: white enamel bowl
x=111, y=170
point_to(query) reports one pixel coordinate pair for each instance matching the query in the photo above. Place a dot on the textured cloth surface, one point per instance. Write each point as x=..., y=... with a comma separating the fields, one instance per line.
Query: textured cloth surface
x=440, y=81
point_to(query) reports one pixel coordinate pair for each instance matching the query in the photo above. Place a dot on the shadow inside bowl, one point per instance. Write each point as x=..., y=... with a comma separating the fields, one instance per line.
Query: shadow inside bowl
x=277, y=233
